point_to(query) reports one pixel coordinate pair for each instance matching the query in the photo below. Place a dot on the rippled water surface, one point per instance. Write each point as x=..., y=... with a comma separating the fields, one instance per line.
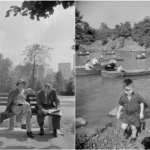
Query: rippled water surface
x=97, y=96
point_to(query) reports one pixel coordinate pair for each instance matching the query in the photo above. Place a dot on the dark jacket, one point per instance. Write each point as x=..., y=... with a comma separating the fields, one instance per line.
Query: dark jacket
x=8, y=113
x=52, y=97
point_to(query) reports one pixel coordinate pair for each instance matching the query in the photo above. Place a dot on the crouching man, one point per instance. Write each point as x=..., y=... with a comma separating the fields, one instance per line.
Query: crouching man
x=47, y=99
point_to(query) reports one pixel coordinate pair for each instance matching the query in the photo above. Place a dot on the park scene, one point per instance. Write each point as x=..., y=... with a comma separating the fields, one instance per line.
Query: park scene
x=37, y=54
x=112, y=58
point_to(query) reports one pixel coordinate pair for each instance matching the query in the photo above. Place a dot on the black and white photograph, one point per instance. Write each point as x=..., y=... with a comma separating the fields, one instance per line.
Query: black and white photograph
x=37, y=102
x=112, y=74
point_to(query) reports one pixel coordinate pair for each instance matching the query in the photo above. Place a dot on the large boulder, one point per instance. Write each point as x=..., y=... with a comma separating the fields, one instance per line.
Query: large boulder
x=80, y=122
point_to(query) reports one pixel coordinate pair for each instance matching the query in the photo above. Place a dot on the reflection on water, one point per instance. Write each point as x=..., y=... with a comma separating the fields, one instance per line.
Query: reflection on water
x=96, y=96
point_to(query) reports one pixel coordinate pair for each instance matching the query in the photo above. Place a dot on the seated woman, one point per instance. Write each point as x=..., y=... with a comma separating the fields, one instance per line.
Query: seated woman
x=21, y=107
x=88, y=65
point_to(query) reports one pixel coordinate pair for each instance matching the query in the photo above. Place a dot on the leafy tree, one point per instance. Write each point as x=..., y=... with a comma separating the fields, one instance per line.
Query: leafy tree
x=6, y=74
x=69, y=87
x=38, y=85
x=84, y=33
x=38, y=8
x=59, y=82
x=36, y=55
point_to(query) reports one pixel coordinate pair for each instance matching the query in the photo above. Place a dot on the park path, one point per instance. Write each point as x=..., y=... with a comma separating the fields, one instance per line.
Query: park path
x=17, y=139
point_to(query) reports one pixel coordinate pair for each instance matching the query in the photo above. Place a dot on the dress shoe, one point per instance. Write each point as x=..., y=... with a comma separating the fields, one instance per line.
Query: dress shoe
x=55, y=133
x=30, y=134
x=41, y=131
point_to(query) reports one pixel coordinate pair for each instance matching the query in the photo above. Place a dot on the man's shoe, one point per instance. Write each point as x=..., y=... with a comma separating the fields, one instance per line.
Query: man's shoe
x=30, y=134
x=41, y=131
x=55, y=133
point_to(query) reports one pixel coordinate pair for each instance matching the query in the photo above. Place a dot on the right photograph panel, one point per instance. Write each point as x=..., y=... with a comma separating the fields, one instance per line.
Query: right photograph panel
x=112, y=75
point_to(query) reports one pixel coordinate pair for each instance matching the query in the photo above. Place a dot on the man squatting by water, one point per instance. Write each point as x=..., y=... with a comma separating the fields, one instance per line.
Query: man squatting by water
x=133, y=109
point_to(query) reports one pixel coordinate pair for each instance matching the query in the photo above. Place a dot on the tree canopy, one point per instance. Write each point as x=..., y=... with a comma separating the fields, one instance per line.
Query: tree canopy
x=140, y=32
x=38, y=8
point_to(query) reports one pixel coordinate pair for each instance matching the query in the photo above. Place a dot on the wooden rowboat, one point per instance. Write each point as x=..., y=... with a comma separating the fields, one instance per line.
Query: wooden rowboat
x=110, y=53
x=141, y=57
x=107, y=59
x=83, y=54
x=81, y=71
x=116, y=74
x=133, y=50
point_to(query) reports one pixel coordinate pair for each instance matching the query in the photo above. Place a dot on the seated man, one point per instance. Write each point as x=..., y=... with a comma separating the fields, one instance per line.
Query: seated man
x=120, y=69
x=112, y=63
x=138, y=56
x=45, y=100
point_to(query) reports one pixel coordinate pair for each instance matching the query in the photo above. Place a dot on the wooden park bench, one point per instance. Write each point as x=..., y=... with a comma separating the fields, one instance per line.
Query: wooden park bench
x=32, y=100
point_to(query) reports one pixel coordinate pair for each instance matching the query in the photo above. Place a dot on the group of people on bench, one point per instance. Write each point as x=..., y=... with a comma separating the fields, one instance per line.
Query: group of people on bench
x=17, y=105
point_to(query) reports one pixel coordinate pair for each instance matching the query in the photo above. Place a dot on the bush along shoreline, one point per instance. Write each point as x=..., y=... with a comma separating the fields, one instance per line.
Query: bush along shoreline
x=111, y=137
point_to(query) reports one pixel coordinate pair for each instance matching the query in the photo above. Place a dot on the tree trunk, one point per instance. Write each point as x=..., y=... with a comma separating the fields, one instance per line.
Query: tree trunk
x=33, y=72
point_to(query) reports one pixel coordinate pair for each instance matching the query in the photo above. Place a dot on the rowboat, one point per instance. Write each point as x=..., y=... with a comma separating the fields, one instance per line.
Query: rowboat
x=110, y=53
x=83, y=54
x=141, y=57
x=81, y=71
x=116, y=74
x=84, y=72
x=133, y=50
x=107, y=59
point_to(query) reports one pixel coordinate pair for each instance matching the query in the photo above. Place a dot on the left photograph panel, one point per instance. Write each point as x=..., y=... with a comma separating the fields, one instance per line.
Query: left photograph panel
x=37, y=102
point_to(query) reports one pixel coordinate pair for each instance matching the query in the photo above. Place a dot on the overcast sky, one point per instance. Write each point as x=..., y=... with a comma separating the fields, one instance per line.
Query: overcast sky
x=57, y=32
x=113, y=12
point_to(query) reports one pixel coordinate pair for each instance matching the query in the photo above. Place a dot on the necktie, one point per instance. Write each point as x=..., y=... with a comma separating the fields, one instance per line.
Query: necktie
x=47, y=101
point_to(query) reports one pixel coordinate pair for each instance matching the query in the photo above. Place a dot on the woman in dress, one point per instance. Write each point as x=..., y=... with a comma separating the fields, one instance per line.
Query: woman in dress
x=21, y=107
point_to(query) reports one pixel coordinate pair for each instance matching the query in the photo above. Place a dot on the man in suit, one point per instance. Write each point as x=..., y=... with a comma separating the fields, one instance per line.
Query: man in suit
x=47, y=99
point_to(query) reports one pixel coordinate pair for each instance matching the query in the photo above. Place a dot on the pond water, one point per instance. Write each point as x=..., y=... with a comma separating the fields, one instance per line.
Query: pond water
x=97, y=96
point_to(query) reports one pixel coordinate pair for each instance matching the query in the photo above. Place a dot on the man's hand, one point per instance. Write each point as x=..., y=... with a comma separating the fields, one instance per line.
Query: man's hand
x=118, y=115
x=44, y=111
x=141, y=115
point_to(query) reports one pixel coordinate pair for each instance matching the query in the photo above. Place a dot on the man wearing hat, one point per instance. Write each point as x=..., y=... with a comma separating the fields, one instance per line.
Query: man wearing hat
x=47, y=99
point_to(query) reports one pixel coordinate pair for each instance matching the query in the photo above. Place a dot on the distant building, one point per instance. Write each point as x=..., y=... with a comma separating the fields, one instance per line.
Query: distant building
x=65, y=68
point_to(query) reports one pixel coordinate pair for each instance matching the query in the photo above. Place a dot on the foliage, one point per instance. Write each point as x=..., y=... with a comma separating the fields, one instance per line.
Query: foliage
x=59, y=82
x=36, y=55
x=6, y=74
x=69, y=87
x=38, y=85
x=84, y=33
x=141, y=32
x=38, y=8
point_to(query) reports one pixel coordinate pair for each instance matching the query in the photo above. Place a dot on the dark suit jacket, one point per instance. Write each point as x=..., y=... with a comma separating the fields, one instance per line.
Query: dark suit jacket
x=52, y=97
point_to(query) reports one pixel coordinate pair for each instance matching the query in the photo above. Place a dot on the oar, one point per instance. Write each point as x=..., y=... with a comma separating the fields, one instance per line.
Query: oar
x=123, y=75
